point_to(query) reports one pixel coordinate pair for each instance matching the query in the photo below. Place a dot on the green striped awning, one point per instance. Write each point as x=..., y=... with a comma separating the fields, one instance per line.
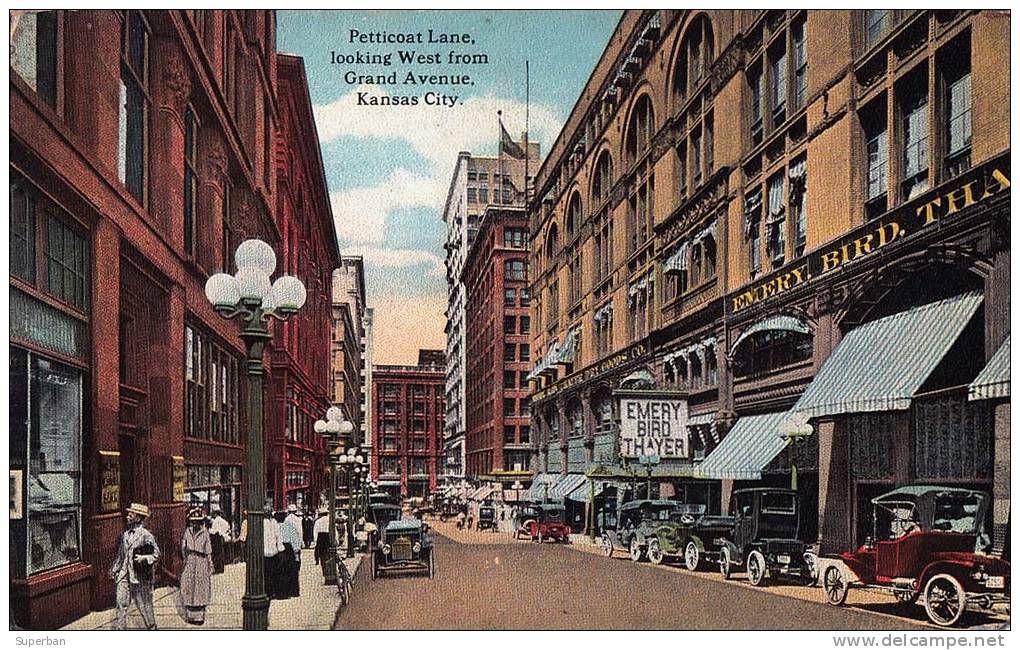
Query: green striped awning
x=565, y=486
x=537, y=489
x=993, y=381
x=880, y=365
x=749, y=446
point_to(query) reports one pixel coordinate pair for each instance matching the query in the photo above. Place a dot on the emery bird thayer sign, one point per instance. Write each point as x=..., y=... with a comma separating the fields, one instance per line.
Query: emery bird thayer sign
x=653, y=424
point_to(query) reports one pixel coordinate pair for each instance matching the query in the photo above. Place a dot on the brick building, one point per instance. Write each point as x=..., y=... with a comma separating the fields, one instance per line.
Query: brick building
x=142, y=152
x=407, y=427
x=348, y=358
x=782, y=216
x=301, y=385
x=498, y=347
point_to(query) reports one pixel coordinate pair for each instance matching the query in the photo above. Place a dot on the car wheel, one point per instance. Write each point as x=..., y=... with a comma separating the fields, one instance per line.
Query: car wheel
x=944, y=600
x=541, y=538
x=756, y=569
x=635, y=550
x=835, y=585
x=811, y=563
x=692, y=556
x=655, y=555
x=725, y=563
x=607, y=546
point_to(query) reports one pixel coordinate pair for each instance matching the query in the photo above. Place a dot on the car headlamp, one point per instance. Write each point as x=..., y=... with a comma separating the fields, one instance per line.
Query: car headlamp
x=386, y=549
x=417, y=547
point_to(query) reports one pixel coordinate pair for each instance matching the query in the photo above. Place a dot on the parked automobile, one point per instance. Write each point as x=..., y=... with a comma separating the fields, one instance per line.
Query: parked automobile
x=449, y=510
x=926, y=540
x=403, y=545
x=542, y=521
x=764, y=538
x=486, y=518
x=689, y=533
x=634, y=521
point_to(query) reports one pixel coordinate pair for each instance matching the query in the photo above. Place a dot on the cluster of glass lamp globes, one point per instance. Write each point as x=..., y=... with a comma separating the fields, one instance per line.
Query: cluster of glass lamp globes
x=250, y=292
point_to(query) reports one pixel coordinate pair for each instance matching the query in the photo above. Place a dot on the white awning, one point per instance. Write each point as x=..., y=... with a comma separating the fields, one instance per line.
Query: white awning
x=565, y=485
x=779, y=322
x=880, y=365
x=749, y=446
x=993, y=381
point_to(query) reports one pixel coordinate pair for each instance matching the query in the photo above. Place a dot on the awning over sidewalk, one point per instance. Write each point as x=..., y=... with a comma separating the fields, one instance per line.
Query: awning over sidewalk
x=880, y=365
x=583, y=492
x=481, y=494
x=749, y=446
x=993, y=381
x=537, y=489
x=565, y=486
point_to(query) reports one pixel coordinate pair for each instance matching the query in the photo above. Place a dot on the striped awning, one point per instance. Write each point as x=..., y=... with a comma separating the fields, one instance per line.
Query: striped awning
x=880, y=365
x=482, y=493
x=565, y=486
x=537, y=489
x=583, y=492
x=749, y=446
x=780, y=322
x=993, y=381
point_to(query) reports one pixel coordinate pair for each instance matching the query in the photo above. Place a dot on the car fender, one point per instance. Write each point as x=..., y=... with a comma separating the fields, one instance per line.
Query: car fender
x=959, y=569
x=697, y=542
x=641, y=539
x=735, y=556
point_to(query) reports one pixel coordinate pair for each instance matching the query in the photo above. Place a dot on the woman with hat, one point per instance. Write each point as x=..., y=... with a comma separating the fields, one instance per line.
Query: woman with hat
x=196, y=577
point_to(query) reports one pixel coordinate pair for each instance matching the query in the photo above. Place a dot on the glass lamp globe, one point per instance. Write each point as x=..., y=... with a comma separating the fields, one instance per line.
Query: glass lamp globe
x=253, y=284
x=335, y=413
x=346, y=426
x=222, y=290
x=270, y=302
x=360, y=459
x=290, y=292
x=255, y=254
x=320, y=427
x=343, y=459
x=333, y=426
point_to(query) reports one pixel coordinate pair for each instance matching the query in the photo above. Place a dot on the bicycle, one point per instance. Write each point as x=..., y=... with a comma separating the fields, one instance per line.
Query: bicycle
x=344, y=582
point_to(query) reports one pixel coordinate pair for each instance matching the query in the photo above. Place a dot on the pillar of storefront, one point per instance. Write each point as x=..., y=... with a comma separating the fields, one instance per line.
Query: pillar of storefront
x=726, y=491
x=834, y=506
x=170, y=87
x=1000, y=480
x=213, y=174
x=92, y=42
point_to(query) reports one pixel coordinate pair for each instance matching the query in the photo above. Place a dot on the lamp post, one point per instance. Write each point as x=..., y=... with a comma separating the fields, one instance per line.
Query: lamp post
x=349, y=460
x=250, y=297
x=331, y=429
x=795, y=428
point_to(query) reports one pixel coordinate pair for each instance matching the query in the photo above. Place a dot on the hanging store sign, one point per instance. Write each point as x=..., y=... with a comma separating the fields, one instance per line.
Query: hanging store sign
x=109, y=473
x=941, y=204
x=653, y=424
x=180, y=474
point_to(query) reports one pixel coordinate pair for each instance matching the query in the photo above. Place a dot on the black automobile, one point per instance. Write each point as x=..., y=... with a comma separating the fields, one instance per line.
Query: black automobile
x=764, y=538
x=486, y=518
x=403, y=545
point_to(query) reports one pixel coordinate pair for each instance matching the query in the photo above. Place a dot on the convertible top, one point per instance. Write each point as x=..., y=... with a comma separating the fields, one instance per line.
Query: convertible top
x=913, y=493
x=655, y=503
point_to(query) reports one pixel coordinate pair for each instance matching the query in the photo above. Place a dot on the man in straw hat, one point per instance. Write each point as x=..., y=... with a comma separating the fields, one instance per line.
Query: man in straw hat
x=134, y=568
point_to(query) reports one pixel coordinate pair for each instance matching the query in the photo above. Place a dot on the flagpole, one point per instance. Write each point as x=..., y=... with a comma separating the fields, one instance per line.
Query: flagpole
x=527, y=128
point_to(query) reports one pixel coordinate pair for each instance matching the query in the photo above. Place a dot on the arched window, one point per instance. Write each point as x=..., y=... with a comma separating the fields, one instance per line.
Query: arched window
x=641, y=127
x=602, y=179
x=769, y=350
x=575, y=420
x=573, y=216
x=696, y=55
x=552, y=244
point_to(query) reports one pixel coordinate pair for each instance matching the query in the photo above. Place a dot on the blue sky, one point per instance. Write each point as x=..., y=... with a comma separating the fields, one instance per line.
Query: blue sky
x=389, y=167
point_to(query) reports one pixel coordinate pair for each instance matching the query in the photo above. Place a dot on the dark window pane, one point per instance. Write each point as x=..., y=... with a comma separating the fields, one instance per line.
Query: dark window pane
x=22, y=248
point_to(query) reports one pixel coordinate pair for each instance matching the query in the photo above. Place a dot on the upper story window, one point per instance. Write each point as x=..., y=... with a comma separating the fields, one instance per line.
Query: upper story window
x=34, y=53
x=752, y=230
x=912, y=95
x=641, y=128
x=134, y=104
x=516, y=270
x=956, y=128
x=515, y=237
x=696, y=56
x=552, y=243
x=602, y=181
x=641, y=214
x=876, y=23
x=190, y=180
x=770, y=350
x=876, y=137
x=573, y=216
x=777, y=74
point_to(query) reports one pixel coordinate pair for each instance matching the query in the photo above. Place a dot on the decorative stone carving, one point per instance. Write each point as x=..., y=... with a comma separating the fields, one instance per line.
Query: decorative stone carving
x=727, y=65
x=175, y=81
x=215, y=158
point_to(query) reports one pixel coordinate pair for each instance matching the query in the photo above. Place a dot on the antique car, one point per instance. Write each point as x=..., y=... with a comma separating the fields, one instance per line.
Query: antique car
x=764, y=539
x=403, y=545
x=688, y=533
x=635, y=519
x=449, y=509
x=486, y=518
x=541, y=521
x=926, y=540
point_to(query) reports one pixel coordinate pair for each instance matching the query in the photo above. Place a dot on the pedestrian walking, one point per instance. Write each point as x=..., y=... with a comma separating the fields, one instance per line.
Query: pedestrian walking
x=196, y=577
x=294, y=517
x=308, y=529
x=272, y=553
x=289, y=561
x=219, y=534
x=321, y=534
x=134, y=568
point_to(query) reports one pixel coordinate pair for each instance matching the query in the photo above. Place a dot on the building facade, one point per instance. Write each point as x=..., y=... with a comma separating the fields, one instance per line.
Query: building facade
x=366, y=381
x=408, y=413
x=792, y=219
x=498, y=347
x=301, y=385
x=477, y=183
x=141, y=155
x=348, y=355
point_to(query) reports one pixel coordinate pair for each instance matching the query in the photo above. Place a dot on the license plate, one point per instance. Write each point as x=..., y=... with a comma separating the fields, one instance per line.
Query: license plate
x=996, y=582
x=784, y=559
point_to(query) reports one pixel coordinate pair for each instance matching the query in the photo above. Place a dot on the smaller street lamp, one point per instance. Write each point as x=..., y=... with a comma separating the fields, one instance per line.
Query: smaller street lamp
x=349, y=461
x=331, y=429
x=795, y=429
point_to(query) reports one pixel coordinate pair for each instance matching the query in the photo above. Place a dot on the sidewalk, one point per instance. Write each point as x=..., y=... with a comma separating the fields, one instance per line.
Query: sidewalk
x=315, y=609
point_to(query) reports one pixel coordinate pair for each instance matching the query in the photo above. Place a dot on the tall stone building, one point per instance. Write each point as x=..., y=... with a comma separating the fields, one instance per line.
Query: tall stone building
x=348, y=349
x=477, y=183
x=795, y=223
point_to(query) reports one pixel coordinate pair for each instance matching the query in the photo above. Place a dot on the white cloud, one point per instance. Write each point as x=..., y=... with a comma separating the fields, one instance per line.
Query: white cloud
x=399, y=258
x=360, y=213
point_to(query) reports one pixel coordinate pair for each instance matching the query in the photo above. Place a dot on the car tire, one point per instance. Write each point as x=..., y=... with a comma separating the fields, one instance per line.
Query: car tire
x=636, y=554
x=725, y=563
x=432, y=563
x=944, y=600
x=756, y=569
x=607, y=546
x=654, y=552
x=692, y=556
x=811, y=561
x=835, y=585
x=541, y=537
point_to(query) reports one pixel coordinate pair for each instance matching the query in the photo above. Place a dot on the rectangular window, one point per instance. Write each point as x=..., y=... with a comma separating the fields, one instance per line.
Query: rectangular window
x=696, y=157
x=34, y=53
x=525, y=297
x=509, y=325
x=525, y=325
x=509, y=297
x=509, y=433
x=754, y=81
x=23, y=235
x=798, y=202
x=509, y=379
x=752, y=230
x=709, y=144
x=777, y=82
x=509, y=351
x=472, y=195
x=525, y=352
x=957, y=127
x=776, y=221
x=876, y=23
x=554, y=301
x=515, y=238
x=211, y=391
x=509, y=406
x=190, y=180
x=799, y=64
x=681, y=169
x=134, y=104
x=914, y=109
x=515, y=270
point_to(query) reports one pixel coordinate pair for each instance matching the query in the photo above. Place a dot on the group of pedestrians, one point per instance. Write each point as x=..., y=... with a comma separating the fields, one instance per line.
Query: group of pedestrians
x=203, y=548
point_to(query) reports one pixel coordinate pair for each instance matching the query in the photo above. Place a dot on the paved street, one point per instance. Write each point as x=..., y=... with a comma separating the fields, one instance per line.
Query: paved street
x=488, y=581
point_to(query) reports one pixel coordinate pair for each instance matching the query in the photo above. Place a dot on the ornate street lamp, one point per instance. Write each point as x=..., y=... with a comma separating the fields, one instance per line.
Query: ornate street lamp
x=795, y=429
x=331, y=429
x=350, y=461
x=251, y=297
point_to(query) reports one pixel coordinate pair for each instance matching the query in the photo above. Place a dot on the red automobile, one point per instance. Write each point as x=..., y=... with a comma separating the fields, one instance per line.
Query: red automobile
x=542, y=521
x=928, y=541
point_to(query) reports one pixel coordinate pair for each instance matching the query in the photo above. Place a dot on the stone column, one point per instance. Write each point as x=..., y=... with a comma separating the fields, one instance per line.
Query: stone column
x=213, y=174
x=92, y=81
x=1001, y=475
x=169, y=86
x=834, y=507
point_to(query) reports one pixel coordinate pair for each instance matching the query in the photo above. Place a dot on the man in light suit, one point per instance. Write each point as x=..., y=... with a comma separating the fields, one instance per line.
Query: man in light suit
x=135, y=567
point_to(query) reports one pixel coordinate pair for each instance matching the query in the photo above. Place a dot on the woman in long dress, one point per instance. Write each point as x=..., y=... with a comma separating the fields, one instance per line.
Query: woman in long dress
x=196, y=577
